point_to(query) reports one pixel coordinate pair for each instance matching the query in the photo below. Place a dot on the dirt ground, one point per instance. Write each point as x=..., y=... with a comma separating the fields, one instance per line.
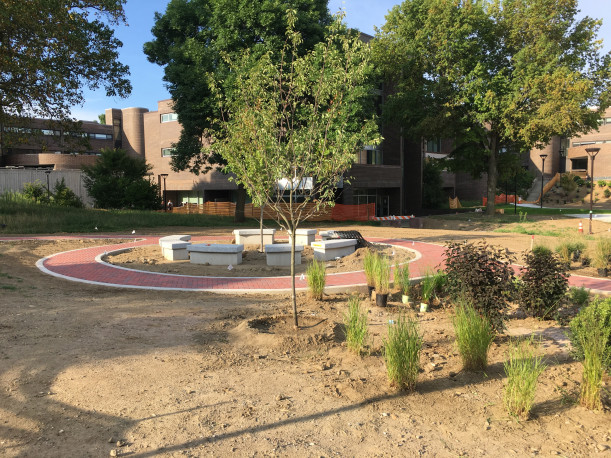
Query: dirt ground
x=95, y=371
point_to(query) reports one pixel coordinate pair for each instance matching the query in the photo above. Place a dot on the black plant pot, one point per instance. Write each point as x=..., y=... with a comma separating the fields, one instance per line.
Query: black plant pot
x=381, y=300
x=602, y=272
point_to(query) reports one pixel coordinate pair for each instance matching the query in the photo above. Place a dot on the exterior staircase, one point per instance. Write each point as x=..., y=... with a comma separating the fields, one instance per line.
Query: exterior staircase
x=535, y=190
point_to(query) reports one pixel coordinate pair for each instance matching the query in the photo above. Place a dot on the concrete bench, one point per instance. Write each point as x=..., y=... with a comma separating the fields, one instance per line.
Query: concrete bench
x=304, y=236
x=327, y=235
x=175, y=250
x=175, y=238
x=280, y=254
x=215, y=254
x=253, y=236
x=331, y=249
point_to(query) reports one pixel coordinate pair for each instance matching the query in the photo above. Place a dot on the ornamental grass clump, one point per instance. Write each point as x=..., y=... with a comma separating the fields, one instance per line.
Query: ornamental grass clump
x=369, y=262
x=602, y=254
x=315, y=274
x=381, y=274
x=474, y=335
x=590, y=334
x=522, y=369
x=402, y=352
x=402, y=281
x=355, y=325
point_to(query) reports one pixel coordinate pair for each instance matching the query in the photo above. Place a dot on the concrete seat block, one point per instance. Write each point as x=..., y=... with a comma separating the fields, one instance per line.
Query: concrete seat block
x=175, y=238
x=175, y=250
x=280, y=254
x=215, y=254
x=327, y=250
x=304, y=236
x=253, y=236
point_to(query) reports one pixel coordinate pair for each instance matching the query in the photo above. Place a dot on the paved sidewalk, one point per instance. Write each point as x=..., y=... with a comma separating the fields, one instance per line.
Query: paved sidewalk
x=85, y=265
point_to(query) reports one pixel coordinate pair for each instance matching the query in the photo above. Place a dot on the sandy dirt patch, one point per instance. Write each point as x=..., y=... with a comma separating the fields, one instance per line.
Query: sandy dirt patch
x=87, y=369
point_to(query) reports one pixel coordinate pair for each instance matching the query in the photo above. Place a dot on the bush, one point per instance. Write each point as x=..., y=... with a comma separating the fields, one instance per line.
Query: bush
x=315, y=274
x=578, y=180
x=36, y=191
x=480, y=275
x=544, y=283
x=355, y=324
x=567, y=182
x=64, y=196
x=607, y=193
x=579, y=296
x=474, y=335
x=522, y=369
x=598, y=311
x=590, y=333
x=427, y=287
x=402, y=352
x=601, y=183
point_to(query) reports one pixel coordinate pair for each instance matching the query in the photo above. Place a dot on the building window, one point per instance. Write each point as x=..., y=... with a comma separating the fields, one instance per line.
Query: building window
x=370, y=155
x=433, y=146
x=100, y=136
x=169, y=117
x=50, y=132
x=579, y=164
x=167, y=152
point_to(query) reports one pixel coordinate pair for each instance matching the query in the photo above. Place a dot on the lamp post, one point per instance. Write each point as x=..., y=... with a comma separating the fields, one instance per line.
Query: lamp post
x=592, y=152
x=48, y=172
x=165, y=200
x=542, y=156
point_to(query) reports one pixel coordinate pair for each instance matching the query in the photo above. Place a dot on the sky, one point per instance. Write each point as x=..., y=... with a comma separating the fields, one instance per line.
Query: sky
x=147, y=78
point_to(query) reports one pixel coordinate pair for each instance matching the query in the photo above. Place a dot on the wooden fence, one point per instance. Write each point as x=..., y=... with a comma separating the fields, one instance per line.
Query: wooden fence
x=337, y=213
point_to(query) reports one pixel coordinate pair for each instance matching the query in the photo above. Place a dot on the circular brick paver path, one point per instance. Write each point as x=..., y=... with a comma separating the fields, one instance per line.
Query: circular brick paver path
x=85, y=265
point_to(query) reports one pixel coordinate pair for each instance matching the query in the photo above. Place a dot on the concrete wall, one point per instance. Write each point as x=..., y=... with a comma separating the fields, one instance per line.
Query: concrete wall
x=14, y=179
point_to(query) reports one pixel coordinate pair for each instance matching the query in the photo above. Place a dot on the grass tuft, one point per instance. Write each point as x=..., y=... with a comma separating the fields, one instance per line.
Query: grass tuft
x=522, y=368
x=402, y=352
x=474, y=335
x=315, y=274
x=355, y=324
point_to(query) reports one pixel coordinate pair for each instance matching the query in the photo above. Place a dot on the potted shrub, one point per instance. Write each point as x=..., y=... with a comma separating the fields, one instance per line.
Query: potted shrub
x=369, y=267
x=382, y=280
x=402, y=281
x=602, y=254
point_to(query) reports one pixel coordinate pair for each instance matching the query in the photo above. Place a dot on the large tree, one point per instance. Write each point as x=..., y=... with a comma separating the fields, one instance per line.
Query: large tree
x=192, y=39
x=118, y=180
x=497, y=75
x=51, y=49
x=291, y=127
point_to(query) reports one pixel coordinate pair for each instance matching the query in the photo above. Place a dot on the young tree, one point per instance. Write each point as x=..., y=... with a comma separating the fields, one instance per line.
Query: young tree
x=117, y=180
x=291, y=127
x=49, y=50
x=503, y=75
x=191, y=39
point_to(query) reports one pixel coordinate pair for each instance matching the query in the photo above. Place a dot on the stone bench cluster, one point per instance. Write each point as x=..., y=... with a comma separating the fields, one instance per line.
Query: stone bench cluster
x=180, y=248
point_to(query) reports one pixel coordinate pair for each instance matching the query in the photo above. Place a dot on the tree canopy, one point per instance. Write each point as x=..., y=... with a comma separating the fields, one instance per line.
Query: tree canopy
x=292, y=127
x=192, y=39
x=51, y=49
x=117, y=180
x=497, y=76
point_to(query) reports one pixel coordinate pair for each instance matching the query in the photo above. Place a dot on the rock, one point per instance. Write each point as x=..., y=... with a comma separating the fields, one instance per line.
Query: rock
x=602, y=447
x=121, y=443
x=452, y=374
x=113, y=452
x=111, y=440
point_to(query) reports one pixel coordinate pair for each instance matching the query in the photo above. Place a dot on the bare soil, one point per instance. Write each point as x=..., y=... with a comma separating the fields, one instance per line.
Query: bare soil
x=254, y=263
x=91, y=371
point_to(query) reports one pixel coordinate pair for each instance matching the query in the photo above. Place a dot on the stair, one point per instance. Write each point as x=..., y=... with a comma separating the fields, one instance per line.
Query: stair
x=535, y=189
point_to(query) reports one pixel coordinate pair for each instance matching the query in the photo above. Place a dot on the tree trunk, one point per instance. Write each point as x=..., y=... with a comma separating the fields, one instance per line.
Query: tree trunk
x=239, y=205
x=261, y=228
x=293, y=290
x=492, y=175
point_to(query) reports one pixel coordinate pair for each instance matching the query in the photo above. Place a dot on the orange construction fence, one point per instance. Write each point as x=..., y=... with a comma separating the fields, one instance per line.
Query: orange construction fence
x=501, y=199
